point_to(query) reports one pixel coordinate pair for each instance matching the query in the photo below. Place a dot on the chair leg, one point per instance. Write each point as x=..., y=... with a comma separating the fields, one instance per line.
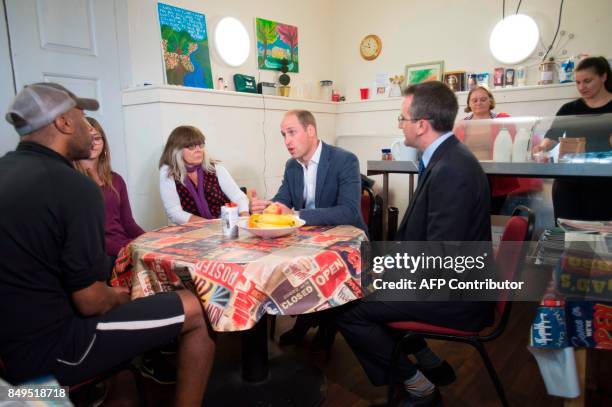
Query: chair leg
x=492, y=373
x=397, y=350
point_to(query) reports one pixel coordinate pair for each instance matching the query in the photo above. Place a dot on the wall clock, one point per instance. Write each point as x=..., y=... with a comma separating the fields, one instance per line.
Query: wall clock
x=370, y=47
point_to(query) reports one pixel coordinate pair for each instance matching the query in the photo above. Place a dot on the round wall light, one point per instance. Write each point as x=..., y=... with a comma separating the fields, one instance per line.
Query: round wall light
x=232, y=41
x=514, y=38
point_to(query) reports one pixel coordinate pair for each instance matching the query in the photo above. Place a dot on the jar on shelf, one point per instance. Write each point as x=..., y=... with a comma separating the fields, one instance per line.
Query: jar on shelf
x=547, y=72
x=325, y=90
x=386, y=154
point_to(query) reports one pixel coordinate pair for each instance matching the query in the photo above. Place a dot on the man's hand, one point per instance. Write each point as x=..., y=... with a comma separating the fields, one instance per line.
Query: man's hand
x=284, y=209
x=99, y=298
x=257, y=205
x=123, y=294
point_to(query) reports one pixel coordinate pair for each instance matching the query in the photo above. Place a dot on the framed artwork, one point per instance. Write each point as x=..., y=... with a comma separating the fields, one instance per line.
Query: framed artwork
x=184, y=42
x=472, y=80
x=509, y=75
x=275, y=42
x=482, y=79
x=425, y=72
x=455, y=80
x=498, y=77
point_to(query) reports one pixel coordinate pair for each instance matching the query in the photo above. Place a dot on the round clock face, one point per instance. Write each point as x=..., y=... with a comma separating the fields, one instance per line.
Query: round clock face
x=370, y=47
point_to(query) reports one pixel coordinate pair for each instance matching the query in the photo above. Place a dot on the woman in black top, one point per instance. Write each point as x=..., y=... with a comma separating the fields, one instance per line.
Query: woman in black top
x=585, y=198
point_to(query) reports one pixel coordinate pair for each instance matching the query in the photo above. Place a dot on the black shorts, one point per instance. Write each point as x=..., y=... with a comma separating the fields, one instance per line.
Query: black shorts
x=99, y=344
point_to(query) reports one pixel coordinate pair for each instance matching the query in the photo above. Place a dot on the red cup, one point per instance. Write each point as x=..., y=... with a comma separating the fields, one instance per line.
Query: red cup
x=365, y=92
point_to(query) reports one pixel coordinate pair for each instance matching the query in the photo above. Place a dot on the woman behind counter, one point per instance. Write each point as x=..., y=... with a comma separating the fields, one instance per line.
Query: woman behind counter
x=191, y=184
x=480, y=105
x=585, y=198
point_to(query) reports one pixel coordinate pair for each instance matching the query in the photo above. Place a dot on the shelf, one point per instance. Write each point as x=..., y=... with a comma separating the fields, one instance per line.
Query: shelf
x=529, y=169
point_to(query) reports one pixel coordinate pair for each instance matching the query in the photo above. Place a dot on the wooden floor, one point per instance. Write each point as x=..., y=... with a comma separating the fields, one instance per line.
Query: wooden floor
x=347, y=384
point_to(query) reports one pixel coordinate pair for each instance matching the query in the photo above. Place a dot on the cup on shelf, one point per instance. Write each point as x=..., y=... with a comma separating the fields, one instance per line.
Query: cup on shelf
x=365, y=93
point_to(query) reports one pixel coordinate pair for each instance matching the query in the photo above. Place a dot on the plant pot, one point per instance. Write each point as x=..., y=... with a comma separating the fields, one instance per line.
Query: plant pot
x=284, y=90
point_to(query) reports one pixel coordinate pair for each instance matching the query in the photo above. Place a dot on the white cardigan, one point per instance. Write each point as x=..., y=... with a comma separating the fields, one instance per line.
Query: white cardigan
x=172, y=202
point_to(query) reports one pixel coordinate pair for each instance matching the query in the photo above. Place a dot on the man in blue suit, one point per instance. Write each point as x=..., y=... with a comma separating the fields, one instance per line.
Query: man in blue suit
x=321, y=183
x=451, y=203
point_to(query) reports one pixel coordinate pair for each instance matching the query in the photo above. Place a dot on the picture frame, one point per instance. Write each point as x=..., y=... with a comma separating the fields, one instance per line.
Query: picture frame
x=472, y=80
x=509, y=77
x=455, y=80
x=498, y=77
x=424, y=72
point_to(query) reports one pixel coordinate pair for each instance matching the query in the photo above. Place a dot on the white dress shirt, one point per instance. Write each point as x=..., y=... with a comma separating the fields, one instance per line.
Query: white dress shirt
x=310, y=178
x=172, y=202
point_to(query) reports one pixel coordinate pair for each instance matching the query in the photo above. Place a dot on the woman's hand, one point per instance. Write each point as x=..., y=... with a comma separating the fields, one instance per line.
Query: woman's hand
x=545, y=145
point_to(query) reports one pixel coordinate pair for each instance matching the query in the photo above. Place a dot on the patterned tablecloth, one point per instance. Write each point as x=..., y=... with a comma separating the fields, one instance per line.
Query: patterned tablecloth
x=239, y=280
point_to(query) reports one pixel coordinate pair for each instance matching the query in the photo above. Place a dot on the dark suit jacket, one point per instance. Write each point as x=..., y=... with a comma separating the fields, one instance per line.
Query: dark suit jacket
x=451, y=203
x=338, y=189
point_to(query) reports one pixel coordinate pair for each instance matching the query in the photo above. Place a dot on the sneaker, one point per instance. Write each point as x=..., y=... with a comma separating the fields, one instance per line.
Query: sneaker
x=158, y=369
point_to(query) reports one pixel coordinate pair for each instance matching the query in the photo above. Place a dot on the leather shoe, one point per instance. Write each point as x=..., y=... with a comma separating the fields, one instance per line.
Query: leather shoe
x=409, y=400
x=442, y=375
x=296, y=334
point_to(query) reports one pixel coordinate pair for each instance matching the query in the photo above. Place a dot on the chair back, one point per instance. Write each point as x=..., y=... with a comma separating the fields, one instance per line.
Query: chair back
x=367, y=205
x=510, y=255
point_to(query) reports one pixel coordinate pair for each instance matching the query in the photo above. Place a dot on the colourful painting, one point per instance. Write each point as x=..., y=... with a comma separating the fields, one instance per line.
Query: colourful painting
x=425, y=72
x=275, y=42
x=184, y=43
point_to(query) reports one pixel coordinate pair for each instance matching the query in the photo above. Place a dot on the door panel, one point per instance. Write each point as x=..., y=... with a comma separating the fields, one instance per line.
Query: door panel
x=72, y=42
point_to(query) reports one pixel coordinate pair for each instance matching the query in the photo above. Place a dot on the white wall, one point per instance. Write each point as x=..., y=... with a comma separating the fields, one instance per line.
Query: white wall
x=8, y=136
x=457, y=32
x=315, y=30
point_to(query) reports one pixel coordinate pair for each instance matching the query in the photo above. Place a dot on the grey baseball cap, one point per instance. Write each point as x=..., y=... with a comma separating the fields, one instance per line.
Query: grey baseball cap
x=38, y=104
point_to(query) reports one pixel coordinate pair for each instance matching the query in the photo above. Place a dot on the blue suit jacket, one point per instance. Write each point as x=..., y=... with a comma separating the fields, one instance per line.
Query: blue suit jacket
x=338, y=189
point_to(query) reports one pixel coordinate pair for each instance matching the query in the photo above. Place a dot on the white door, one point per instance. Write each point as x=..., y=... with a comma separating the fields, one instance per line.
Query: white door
x=72, y=42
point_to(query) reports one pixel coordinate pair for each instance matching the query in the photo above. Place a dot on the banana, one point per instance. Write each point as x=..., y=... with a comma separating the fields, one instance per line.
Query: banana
x=269, y=221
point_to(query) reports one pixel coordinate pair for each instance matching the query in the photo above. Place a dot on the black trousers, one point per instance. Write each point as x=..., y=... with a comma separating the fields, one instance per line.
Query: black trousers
x=363, y=325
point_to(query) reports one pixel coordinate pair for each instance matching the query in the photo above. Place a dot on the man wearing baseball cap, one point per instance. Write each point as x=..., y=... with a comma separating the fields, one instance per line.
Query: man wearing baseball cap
x=58, y=316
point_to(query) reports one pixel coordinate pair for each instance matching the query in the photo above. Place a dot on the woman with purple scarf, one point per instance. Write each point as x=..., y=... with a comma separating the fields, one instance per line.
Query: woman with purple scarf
x=191, y=184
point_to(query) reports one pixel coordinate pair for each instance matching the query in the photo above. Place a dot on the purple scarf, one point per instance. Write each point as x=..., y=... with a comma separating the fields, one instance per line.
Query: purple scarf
x=198, y=196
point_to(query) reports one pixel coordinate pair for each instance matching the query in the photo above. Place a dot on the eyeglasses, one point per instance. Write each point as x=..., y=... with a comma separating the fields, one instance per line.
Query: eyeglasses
x=401, y=118
x=98, y=139
x=482, y=99
x=194, y=147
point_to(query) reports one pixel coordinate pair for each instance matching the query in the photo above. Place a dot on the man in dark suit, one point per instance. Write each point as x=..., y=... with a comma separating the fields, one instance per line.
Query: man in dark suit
x=321, y=183
x=451, y=203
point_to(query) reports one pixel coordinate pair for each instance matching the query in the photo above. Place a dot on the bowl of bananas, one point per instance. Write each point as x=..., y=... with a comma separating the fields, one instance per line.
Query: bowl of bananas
x=268, y=226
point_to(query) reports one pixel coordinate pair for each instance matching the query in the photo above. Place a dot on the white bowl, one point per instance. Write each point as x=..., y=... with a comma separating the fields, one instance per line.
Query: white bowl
x=270, y=233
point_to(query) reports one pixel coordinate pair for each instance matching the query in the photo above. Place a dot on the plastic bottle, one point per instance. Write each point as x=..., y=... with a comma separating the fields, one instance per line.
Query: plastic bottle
x=502, y=148
x=520, y=150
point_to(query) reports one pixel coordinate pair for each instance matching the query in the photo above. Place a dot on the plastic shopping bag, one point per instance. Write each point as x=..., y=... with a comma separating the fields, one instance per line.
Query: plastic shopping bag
x=558, y=369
